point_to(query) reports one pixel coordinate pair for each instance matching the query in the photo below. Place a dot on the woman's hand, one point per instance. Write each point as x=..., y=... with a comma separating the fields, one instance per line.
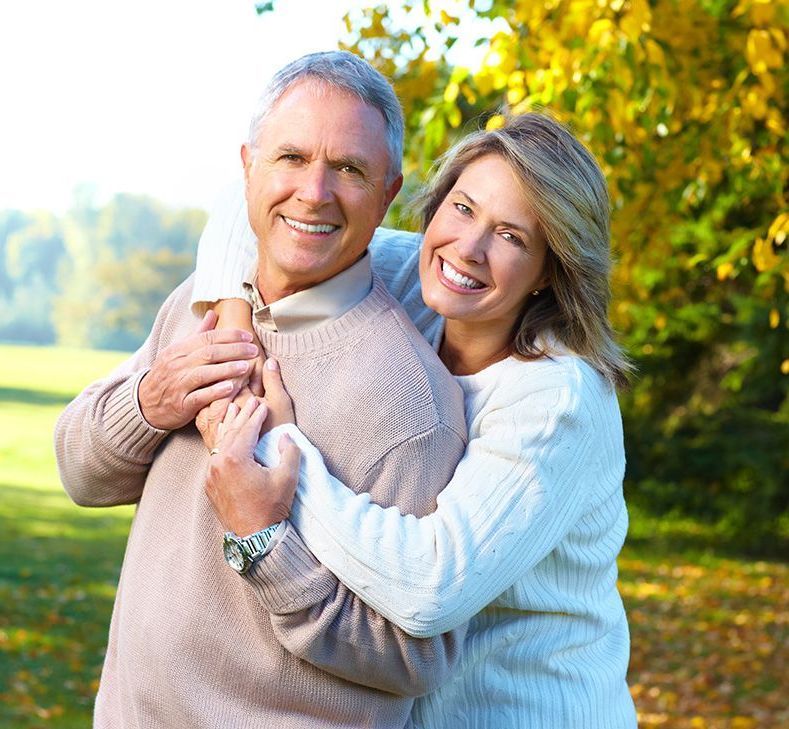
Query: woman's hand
x=246, y=496
x=237, y=314
x=232, y=314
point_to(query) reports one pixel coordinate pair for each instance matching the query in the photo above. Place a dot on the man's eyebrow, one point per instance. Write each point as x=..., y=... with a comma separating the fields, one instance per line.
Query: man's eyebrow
x=359, y=162
x=352, y=161
x=526, y=231
x=289, y=149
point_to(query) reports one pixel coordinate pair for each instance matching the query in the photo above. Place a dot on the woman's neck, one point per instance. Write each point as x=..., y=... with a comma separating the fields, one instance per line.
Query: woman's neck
x=468, y=348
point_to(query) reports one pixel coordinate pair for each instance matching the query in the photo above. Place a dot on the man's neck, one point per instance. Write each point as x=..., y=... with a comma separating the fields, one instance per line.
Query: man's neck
x=275, y=286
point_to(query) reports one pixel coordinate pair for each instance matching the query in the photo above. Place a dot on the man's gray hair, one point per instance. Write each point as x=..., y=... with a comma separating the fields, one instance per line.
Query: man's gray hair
x=342, y=70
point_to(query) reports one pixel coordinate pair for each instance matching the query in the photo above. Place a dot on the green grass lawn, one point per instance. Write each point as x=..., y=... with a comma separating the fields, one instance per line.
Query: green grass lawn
x=59, y=564
x=708, y=632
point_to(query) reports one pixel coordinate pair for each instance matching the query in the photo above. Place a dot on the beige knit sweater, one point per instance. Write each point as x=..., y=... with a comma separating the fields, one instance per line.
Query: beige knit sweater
x=193, y=644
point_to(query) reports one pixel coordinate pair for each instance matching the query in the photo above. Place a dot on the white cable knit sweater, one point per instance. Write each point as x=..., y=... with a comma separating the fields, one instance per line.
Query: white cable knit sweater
x=523, y=541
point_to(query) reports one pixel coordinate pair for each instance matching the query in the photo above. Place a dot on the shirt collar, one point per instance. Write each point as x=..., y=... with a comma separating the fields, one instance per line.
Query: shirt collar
x=311, y=307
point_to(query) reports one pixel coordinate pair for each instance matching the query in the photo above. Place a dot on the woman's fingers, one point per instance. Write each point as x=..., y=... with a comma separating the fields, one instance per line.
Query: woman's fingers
x=256, y=377
x=242, y=432
x=230, y=416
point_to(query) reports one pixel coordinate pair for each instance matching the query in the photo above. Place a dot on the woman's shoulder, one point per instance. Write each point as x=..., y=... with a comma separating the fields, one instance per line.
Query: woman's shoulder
x=563, y=382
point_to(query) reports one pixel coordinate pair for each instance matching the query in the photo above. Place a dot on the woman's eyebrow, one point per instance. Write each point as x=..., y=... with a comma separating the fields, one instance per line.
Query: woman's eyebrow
x=526, y=231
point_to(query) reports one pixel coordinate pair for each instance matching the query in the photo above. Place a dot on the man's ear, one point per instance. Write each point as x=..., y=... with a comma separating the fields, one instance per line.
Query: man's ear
x=391, y=194
x=246, y=160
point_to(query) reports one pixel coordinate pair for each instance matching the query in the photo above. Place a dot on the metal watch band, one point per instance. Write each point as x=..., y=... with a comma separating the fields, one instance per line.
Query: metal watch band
x=255, y=544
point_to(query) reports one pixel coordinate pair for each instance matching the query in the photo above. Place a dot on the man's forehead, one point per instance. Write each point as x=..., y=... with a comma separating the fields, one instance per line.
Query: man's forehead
x=329, y=97
x=313, y=113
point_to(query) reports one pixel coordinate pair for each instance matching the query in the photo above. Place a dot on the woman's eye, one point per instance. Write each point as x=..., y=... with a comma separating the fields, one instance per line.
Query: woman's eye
x=462, y=209
x=512, y=238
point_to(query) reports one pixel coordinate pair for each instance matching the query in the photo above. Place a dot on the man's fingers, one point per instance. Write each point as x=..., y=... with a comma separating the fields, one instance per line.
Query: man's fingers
x=208, y=322
x=272, y=381
x=222, y=336
x=289, y=459
x=203, y=375
x=222, y=352
x=196, y=400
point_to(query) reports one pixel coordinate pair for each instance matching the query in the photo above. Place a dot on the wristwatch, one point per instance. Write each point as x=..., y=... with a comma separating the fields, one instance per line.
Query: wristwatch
x=241, y=552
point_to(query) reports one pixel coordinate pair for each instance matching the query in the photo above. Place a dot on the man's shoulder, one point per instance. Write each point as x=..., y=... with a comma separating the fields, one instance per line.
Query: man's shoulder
x=175, y=318
x=406, y=373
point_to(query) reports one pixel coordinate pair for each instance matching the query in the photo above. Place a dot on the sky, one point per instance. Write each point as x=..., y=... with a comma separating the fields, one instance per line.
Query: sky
x=150, y=97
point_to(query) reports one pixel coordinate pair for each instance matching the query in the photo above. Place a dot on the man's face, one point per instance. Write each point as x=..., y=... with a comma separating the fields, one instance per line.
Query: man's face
x=315, y=186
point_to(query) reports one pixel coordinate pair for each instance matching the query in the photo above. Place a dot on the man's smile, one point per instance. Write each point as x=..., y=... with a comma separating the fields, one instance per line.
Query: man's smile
x=310, y=227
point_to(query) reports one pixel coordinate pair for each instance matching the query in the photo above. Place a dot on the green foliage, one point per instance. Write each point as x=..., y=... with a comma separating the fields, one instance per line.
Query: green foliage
x=96, y=276
x=683, y=103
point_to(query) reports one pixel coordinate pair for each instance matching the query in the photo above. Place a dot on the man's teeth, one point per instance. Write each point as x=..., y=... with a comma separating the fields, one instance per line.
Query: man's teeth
x=459, y=278
x=307, y=228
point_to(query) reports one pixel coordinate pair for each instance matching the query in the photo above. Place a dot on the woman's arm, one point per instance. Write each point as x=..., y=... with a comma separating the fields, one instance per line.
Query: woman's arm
x=523, y=483
x=226, y=252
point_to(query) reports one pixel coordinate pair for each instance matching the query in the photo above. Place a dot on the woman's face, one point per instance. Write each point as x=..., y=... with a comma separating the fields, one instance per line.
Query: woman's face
x=483, y=252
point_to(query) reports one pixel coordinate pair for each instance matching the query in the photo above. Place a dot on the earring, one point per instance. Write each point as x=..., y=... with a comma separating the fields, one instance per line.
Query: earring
x=536, y=292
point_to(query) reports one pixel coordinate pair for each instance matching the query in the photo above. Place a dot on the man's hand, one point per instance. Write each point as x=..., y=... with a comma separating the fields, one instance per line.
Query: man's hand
x=280, y=406
x=246, y=496
x=190, y=374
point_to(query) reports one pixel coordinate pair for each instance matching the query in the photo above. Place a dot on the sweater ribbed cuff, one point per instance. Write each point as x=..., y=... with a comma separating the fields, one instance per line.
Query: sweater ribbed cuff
x=125, y=426
x=289, y=578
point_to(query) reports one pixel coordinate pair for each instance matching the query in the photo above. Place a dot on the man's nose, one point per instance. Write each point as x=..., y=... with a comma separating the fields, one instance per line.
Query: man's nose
x=315, y=188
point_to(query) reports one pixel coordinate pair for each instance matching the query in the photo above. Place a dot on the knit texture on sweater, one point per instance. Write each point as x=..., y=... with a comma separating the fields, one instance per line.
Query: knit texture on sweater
x=192, y=643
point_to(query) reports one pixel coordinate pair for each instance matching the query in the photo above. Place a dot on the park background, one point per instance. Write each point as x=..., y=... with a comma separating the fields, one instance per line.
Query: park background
x=683, y=103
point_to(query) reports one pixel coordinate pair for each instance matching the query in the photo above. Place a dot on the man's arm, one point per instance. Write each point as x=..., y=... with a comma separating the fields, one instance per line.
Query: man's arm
x=313, y=615
x=106, y=438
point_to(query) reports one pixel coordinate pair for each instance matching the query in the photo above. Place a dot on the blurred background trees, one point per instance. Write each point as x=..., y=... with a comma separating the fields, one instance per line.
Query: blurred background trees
x=94, y=277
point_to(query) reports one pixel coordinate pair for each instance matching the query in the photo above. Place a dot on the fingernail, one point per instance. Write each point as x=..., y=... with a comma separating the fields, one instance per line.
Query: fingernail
x=272, y=364
x=246, y=337
x=251, y=350
x=241, y=366
x=226, y=386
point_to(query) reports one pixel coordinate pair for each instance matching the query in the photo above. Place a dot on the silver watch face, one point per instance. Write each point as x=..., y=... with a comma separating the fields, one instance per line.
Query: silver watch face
x=234, y=556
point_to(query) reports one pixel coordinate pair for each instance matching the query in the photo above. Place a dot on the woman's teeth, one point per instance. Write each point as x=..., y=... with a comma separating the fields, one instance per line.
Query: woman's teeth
x=307, y=228
x=459, y=278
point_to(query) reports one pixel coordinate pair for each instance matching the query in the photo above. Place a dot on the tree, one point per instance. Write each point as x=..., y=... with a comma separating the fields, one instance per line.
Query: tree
x=683, y=102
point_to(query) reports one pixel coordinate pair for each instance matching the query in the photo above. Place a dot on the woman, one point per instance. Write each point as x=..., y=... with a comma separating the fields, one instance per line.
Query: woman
x=524, y=540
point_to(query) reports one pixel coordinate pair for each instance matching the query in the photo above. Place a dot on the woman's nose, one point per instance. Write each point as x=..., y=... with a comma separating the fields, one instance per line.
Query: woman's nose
x=471, y=245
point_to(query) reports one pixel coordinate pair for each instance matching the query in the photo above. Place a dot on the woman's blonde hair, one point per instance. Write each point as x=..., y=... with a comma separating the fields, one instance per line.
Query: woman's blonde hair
x=567, y=191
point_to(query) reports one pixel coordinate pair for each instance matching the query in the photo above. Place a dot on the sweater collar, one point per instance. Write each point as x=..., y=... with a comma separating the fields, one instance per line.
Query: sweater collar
x=312, y=307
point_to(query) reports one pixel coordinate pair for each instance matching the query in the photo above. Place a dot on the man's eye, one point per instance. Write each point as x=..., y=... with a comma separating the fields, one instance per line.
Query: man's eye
x=350, y=170
x=290, y=158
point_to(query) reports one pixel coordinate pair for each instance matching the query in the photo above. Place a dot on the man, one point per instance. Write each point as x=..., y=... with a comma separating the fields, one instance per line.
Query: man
x=270, y=637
